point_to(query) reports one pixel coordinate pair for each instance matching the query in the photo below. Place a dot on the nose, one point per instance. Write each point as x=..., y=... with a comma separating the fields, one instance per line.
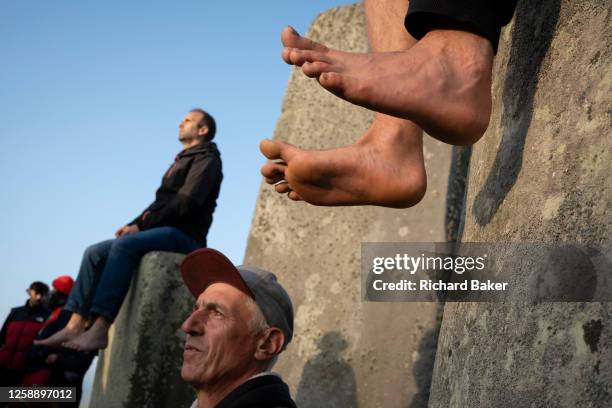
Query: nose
x=193, y=325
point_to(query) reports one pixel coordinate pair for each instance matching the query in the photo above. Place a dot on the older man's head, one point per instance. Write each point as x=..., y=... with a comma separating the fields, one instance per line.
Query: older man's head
x=241, y=321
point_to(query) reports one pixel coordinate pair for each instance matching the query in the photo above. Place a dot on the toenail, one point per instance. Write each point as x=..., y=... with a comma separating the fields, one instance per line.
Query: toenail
x=281, y=182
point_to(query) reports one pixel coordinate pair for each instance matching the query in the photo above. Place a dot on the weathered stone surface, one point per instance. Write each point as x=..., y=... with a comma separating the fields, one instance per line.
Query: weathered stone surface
x=346, y=352
x=541, y=173
x=141, y=366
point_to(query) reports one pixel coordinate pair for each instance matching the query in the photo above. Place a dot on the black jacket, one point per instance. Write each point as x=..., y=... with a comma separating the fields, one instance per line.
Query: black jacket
x=188, y=194
x=266, y=391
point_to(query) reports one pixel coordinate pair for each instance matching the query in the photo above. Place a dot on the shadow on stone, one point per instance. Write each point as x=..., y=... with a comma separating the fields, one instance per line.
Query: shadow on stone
x=456, y=192
x=531, y=37
x=423, y=366
x=568, y=275
x=328, y=380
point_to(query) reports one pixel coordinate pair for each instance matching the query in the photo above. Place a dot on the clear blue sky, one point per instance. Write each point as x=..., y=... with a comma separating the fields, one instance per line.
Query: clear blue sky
x=92, y=95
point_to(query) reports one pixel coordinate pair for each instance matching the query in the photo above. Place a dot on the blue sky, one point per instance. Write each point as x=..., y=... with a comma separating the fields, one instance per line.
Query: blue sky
x=92, y=95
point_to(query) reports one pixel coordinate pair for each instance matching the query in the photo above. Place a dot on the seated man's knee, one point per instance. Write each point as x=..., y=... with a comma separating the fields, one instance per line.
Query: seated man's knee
x=95, y=252
x=126, y=243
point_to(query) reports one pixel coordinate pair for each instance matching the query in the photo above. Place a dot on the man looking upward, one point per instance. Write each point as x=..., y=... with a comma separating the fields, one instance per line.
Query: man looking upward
x=177, y=221
x=241, y=322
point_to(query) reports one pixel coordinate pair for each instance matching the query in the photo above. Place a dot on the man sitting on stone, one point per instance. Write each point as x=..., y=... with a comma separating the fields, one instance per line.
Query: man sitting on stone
x=241, y=322
x=177, y=221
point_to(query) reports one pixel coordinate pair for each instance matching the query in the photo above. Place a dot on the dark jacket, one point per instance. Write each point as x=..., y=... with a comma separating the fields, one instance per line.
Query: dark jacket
x=188, y=193
x=18, y=333
x=266, y=391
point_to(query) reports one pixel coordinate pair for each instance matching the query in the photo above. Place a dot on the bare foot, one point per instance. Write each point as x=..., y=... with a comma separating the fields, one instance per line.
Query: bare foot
x=62, y=336
x=442, y=83
x=96, y=338
x=384, y=167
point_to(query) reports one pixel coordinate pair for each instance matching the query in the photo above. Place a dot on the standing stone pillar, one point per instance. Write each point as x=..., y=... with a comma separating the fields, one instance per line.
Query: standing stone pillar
x=345, y=352
x=541, y=173
x=141, y=365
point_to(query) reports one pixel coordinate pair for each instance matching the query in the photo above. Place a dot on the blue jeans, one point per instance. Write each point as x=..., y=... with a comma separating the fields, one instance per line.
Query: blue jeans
x=107, y=269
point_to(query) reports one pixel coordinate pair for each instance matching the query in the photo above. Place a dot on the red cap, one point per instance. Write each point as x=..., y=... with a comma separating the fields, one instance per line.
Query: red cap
x=63, y=284
x=205, y=266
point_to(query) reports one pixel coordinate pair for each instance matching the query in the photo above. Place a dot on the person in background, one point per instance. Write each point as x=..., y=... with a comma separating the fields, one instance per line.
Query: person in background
x=18, y=333
x=57, y=367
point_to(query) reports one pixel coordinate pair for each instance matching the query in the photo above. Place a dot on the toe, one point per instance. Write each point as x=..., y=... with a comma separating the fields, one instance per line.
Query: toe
x=275, y=149
x=294, y=196
x=299, y=57
x=270, y=149
x=314, y=69
x=332, y=81
x=343, y=86
x=282, y=188
x=290, y=38
x=273, y=170
x=285, y=55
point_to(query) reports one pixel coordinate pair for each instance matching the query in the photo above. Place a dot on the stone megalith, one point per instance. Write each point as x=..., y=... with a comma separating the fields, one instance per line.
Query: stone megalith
x=142, y=364
x=541, y=173
x=346, y=352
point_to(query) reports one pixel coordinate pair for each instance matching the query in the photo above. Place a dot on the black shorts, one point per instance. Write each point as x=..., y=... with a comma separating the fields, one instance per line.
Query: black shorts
x=483, y=17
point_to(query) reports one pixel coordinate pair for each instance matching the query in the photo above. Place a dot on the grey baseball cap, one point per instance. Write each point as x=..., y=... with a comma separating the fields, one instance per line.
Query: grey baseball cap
x=206, y=266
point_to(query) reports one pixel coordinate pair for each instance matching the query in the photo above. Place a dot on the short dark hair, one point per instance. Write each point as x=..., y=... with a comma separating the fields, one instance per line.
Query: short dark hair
x=208, y=121
x=40, y=288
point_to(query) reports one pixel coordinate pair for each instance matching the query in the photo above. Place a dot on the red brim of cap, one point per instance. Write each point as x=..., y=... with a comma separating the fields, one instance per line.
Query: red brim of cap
x=206, y=266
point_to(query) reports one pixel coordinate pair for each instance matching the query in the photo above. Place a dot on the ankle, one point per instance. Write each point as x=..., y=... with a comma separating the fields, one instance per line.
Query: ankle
x=467, y=41
x=390, y=130
x=470, y=52
x=101, y=324
x=76, y=324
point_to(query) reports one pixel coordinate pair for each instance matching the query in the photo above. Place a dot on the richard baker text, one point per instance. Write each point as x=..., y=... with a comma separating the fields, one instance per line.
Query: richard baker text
x=427, y=285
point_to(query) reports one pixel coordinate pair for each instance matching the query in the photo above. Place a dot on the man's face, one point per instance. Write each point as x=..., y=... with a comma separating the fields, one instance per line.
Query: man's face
x=35, y=297
x=219, y=346
x=188, y=129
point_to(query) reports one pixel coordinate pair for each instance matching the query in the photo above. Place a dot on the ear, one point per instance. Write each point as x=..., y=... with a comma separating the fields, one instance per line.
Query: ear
x=269, y=344
x=203, y=131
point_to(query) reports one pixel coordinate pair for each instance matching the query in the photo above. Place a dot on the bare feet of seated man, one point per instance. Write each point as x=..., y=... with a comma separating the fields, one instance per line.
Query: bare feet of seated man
x=384, y=167
x=58, y=339
x=96, y=338
x=75, y=336
x=442, y=83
